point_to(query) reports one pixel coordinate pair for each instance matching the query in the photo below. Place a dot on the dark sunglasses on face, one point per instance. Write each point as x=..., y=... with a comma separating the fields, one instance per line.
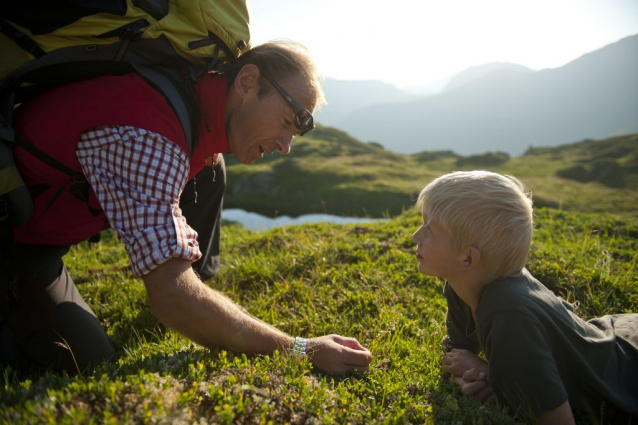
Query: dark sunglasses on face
x=303, y=118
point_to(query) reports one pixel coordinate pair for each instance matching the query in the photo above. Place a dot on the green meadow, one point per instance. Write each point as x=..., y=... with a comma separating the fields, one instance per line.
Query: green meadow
x=354, y=280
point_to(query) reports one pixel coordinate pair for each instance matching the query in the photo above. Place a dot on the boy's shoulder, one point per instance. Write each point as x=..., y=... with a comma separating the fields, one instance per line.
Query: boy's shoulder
x=520, y=293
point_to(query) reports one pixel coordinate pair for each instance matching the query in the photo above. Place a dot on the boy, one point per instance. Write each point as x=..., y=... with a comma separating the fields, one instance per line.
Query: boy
x=476, y=233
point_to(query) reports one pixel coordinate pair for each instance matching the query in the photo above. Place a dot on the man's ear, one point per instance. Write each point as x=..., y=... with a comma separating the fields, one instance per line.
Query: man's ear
x=471, y=259
x=247, y=79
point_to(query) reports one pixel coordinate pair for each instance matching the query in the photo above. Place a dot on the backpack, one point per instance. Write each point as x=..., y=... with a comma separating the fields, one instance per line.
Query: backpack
x=47, y=43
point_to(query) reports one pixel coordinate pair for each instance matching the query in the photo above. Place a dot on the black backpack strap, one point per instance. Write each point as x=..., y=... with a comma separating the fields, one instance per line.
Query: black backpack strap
x=80, y=188
x=181, y=101
x=178, y=97
x=42, y=156
x=21, y=39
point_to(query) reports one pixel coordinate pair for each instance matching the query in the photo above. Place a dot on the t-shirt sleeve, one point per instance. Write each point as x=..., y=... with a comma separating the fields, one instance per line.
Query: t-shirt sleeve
x=138, y=177
x=522, y=369
x=459, y=323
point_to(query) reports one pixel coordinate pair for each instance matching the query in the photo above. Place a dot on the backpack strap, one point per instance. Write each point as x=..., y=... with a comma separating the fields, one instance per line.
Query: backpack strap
x=16, y=206
x=42, y=156
x=181, y=101
x=167, y=81
x=80, y=62
x=80, y=188
x=21, y=39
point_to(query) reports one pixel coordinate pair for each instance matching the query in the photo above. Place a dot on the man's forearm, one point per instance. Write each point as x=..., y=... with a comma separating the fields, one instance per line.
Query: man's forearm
x=181, y=301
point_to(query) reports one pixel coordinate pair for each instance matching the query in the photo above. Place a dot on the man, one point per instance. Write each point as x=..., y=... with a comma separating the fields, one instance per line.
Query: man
x=131, y=149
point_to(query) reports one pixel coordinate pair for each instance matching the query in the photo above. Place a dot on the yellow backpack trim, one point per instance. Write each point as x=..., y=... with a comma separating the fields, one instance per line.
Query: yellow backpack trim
x=186, y=22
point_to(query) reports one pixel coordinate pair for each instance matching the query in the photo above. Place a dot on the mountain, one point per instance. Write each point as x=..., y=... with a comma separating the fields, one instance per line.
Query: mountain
x=476, y=72
x=427, y=88
x=507, y=109
x=345, y=97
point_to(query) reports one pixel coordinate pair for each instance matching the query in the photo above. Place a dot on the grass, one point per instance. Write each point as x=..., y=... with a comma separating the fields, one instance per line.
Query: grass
x=355, y=280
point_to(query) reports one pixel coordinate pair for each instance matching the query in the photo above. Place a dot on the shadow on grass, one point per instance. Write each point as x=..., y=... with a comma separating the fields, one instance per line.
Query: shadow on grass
x=450, y=406
x=142, y=330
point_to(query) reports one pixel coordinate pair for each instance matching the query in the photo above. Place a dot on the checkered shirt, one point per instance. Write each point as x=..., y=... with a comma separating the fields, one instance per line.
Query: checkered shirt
x=138, y=177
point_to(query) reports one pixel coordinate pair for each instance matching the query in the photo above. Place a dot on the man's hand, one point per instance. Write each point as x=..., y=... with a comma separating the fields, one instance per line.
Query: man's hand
x=474, y=384
x=338, y=355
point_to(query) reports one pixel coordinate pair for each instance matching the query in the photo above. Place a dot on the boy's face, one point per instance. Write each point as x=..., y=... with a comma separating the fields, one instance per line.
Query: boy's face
x=435, y=250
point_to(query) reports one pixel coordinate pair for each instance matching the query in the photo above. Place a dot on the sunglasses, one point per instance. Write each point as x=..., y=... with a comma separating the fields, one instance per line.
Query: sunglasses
x=303, y=118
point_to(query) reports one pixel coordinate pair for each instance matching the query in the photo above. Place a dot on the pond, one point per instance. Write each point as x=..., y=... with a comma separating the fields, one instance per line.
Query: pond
x=254, y=221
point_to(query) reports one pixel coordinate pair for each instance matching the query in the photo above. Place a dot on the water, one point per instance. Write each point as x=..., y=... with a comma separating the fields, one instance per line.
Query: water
x=254, y=221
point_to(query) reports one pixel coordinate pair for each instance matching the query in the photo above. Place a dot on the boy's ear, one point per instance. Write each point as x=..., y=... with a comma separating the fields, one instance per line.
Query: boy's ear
x=247, y=79
x=471, y=259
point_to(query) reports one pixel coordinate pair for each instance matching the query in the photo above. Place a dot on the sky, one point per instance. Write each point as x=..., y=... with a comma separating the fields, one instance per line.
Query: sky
x=412, y=43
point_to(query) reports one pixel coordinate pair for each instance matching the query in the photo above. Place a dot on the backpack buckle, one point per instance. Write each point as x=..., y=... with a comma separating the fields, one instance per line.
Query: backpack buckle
x=78, y=179
x=80, y=188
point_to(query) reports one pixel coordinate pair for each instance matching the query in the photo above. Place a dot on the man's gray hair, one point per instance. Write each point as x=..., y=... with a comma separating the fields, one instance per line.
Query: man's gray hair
x=280, y=60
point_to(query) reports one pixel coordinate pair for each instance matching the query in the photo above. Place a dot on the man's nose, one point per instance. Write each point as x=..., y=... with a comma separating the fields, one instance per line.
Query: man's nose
x=283, y=145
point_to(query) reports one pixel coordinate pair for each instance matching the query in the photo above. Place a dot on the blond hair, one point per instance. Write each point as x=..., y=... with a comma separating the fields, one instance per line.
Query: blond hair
x=488, y=211
x=279, y=60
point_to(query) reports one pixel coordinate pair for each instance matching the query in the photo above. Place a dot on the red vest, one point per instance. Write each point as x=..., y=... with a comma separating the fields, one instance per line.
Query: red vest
x=54, y=123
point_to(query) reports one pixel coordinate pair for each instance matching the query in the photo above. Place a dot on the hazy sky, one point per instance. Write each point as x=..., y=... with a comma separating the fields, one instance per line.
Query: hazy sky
x=414, y=42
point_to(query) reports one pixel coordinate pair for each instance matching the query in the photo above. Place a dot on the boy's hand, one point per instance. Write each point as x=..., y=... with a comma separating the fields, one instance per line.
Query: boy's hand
x=474, y=384
x=456, y=362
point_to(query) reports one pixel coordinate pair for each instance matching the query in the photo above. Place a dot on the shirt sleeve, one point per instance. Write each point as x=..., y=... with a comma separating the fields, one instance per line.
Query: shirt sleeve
x=461, y=332
x=138, y=177
x=522, y=369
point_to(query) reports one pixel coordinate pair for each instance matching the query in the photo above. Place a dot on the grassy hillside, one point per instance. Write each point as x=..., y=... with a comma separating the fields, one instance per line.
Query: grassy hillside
x=309, y=280
x=331, y=172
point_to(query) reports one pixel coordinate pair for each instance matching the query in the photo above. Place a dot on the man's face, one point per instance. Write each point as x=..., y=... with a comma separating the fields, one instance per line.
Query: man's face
x=265, y=125
x=435, y=250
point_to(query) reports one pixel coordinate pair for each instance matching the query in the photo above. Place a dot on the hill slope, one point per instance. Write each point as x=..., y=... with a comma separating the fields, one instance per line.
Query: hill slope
x=329, y=171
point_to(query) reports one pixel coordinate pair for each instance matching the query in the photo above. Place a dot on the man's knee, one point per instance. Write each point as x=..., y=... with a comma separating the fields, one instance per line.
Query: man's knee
x=45, y=323
x=59, y=346
x=82, y=336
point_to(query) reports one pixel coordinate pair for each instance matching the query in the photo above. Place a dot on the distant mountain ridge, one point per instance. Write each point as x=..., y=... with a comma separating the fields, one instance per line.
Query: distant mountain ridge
x=594, y=96
x=474, y=73
x=345, y=97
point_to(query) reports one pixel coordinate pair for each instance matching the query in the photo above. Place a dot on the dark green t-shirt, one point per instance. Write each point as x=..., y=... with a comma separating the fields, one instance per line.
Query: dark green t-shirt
x=540, y=354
